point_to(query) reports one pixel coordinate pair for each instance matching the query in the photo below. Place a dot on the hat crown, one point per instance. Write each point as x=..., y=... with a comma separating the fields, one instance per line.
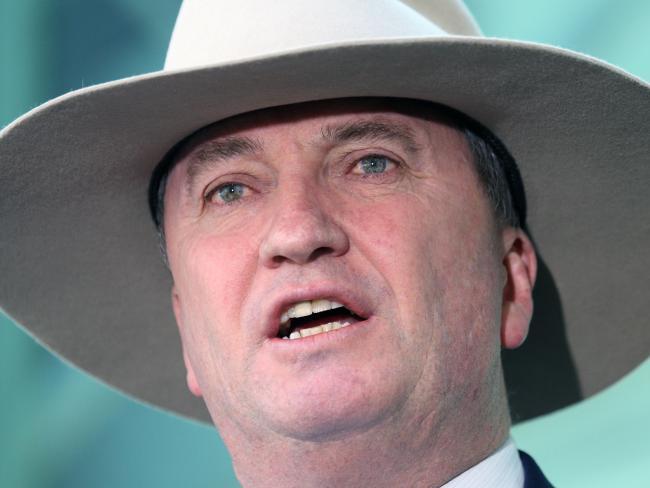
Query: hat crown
x=211, y=31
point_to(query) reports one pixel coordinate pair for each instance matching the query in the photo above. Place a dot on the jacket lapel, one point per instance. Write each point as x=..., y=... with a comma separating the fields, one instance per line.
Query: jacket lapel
x=533, y=476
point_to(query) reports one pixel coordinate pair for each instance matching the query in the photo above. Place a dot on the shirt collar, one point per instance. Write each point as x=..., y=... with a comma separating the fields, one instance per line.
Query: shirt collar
x=502, y=469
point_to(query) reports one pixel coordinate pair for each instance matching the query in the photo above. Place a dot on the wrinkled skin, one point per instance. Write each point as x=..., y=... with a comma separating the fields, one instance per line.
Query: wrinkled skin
x=396, y=221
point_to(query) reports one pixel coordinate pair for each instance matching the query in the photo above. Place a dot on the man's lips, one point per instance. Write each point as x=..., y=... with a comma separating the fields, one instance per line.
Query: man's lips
x=315, y=317
x=347, y=303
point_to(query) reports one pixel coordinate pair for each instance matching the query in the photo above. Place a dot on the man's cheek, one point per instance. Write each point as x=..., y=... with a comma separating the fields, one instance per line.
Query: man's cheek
x=212, y=266
x=383, y=226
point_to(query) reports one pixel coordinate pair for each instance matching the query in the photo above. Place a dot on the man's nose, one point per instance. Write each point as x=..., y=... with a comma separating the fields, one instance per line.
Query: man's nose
x=301, y=228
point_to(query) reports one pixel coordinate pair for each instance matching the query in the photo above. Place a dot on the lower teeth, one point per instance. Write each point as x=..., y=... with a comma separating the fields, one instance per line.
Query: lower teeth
x=319, y=329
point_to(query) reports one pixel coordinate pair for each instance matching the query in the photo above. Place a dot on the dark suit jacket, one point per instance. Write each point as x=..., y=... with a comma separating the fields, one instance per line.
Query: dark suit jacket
x=533, y=476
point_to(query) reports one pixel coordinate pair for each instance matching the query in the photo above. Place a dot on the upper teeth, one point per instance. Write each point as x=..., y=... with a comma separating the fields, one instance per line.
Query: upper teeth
x=302, y=309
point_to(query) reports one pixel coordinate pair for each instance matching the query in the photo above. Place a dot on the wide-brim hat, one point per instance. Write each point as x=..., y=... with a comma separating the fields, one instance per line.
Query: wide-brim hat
x=79, y=261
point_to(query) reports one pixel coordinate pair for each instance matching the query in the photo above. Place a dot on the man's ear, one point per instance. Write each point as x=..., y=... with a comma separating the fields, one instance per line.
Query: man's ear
x=520, y=263
x=192, y=383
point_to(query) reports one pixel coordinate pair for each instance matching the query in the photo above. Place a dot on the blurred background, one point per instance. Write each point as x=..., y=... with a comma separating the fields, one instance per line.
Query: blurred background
x=61, y=428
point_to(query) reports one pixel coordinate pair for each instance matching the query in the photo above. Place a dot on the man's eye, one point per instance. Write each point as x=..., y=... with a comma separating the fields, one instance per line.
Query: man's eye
x=373, y=164
x=226, y=193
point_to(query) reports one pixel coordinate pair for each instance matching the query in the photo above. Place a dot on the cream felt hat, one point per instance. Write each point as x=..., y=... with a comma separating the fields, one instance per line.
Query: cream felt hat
x=79, y=266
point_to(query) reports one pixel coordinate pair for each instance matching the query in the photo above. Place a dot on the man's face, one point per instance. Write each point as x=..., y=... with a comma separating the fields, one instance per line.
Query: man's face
x=372, y=206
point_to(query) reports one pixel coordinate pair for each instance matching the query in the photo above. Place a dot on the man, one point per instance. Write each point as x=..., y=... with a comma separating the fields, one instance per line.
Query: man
x=402, y=236
x=374, y=205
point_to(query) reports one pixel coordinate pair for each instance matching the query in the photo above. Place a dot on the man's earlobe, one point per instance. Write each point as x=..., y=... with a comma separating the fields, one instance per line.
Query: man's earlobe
x=190, y=378
x=520, y=264
x=192, y=383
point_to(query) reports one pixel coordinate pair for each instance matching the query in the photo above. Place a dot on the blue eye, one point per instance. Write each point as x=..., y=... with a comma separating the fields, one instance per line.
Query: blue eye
x=374, y=164
x=228, y=192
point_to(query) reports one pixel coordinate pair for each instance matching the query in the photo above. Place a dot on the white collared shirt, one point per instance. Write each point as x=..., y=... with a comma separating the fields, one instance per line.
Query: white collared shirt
x=503, y=469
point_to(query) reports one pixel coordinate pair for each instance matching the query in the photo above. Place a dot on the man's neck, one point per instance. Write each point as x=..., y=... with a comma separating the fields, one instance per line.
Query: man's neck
x=366, y=459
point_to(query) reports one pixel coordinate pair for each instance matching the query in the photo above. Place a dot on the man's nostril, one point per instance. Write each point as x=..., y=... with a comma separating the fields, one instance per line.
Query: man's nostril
x=321, y=251
x=278, y=259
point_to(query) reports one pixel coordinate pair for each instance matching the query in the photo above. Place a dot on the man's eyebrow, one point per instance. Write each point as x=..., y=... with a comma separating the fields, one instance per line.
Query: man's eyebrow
x=213, y=153
x=371, y=130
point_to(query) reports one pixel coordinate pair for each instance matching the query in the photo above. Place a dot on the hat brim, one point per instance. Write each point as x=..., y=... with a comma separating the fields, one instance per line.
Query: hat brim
x=78, y=251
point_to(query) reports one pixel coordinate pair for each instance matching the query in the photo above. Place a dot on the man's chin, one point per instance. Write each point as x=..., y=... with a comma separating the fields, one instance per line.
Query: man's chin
x=326, y=426
x=331, y=411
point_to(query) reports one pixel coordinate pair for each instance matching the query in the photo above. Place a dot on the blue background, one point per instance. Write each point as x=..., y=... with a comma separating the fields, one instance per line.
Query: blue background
x=61, y=428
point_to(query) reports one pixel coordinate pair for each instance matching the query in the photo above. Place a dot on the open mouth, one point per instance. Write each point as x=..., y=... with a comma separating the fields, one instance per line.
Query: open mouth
x=313, y=317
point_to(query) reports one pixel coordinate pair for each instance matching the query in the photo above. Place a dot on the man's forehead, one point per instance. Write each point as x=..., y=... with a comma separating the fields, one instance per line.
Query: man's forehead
x=336, y=120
